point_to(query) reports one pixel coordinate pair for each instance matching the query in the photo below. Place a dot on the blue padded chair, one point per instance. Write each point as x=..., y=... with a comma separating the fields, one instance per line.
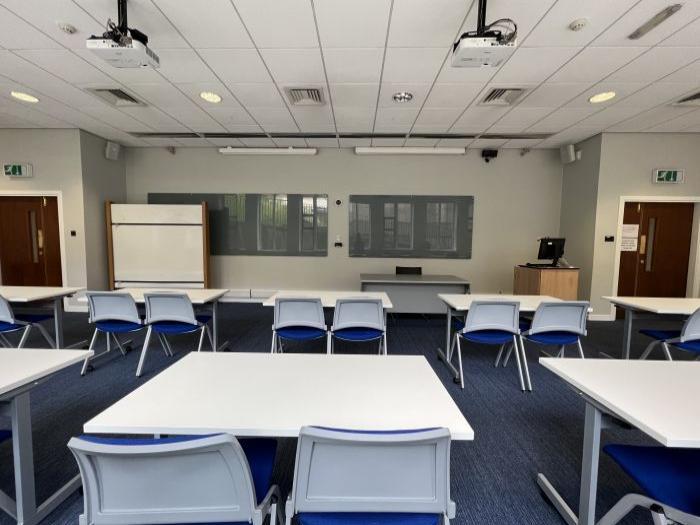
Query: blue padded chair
x=298, y=319
x=359, y=320
x=171, y=314
x=356, y=477
x=185, y=479
x=687, y=339
x=112, y=314
x=559, y=324
x=669, y=479
x=492, y=323
x=11, y=323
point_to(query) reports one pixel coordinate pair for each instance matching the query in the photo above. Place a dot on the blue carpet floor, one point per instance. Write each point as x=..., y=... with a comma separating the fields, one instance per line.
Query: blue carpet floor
x=493, y=477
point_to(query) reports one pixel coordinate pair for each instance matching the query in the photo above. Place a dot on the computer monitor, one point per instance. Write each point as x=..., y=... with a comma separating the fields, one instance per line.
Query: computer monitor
x=551, y=248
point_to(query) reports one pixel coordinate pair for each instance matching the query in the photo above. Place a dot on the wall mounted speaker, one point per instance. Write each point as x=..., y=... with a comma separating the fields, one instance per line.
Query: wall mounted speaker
x=112, y=150
x=567, y=154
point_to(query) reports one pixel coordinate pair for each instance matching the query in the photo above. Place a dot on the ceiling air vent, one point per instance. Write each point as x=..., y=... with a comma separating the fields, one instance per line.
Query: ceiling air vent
x=116, y=97
x=305, y=96
x=691, y=100
x=502, y=97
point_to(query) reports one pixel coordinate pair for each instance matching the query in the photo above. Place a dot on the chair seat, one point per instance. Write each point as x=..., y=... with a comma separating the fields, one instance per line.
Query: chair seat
x=300, y=333
x=489, y=337
x=11, y=327
x=118, y=327
x=669, y=475
x=553, y=338
x=260, y=453
x=367, y=518
x=5, y=435
x=660, y=335
x=33, y=318
x=358, y=334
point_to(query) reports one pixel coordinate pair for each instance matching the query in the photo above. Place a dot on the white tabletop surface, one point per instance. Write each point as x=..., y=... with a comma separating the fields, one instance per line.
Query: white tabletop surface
x=329, y=297
x=260, y=394
x=390, y=278
x=27, y=294
x=196, y=295
x=657, y=397
x=528, y=303
x=658, y=305
x=19, y=367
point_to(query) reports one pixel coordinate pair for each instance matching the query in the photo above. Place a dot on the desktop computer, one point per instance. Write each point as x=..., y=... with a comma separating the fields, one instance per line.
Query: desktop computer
x=550, y=248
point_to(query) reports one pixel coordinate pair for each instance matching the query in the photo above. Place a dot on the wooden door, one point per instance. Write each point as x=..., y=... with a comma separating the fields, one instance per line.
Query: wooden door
x=30, y=250
x=658, y=267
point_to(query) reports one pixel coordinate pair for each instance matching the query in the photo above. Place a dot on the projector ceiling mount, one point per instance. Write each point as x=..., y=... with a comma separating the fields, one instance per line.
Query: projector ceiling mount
x=121, y=33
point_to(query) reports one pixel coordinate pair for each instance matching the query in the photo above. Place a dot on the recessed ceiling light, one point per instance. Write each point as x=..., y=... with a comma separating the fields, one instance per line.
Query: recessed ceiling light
x=210, y=96
x=24, y=97
x=654, y=21
x=402, y=96
x=602, y=97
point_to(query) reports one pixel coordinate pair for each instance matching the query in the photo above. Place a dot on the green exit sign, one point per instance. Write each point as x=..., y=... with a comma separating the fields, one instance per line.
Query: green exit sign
x=18, y=170
x=667, y=176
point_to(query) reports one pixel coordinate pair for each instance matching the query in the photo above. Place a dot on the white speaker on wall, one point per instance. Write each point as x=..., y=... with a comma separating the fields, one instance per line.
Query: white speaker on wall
x=569, y=154
x=112, y=150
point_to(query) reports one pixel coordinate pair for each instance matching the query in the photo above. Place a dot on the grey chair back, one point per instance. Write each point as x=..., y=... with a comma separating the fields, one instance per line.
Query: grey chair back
x=691, y=328
x=564, y=316
x=358, y=313
x=165, y=306
x=204, y=480
x=355, y=471
x=6, y=314
x=110, y=306
x=299, y=311
x=493, y=315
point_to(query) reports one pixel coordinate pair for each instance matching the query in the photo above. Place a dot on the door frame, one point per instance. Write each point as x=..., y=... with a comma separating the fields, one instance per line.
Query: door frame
x=61, y=233
x=694, y=258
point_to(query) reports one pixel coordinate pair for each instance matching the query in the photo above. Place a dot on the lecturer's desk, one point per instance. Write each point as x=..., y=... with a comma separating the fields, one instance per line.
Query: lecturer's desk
x=274, y=395
x=20, y=371
x=458, y=304
x=633, y=306
x=649, y=398
x=33, y=295
x=415, y=294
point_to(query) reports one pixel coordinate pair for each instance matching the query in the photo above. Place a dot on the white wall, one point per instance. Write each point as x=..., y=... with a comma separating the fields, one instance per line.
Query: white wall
x=517, y=200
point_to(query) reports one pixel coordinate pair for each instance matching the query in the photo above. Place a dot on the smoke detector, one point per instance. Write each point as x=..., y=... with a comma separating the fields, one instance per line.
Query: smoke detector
x=68, y=29
x=578, y=24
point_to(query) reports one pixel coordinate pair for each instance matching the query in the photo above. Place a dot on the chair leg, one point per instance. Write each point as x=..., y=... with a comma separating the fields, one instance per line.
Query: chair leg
x=45, y=334
x=201, y=338
x=580, y=349
x=273, y=348
x=508, y=354
x=648, y=349
x=451, y=351
x=211, y=338
x=562, y=348
x=459, y=358
x=5, y=341
x=163, y=344
x=329, y=337
x=144, y=350
x=498, y=356
x=91, y=347
x=528, y=382
x=386, y=350
x=667, y=351
x=25, y=335
x=119, y=343
x=517, y=361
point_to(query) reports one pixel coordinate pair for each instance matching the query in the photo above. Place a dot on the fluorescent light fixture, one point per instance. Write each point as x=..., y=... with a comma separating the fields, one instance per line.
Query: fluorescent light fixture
x=602, y=97
x=655, y=21
x=267, y=151
x=409, y=151
x=210, y=96
x=24, y=97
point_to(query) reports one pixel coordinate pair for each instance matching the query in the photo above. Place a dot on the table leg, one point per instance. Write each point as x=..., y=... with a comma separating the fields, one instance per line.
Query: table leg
x=446, y=355
x=627, y=334
x=215, y=327
x=589, y=474
x=58, y=321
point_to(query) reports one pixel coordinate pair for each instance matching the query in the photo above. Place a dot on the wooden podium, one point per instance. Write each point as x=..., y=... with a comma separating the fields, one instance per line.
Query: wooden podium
x=554, y=281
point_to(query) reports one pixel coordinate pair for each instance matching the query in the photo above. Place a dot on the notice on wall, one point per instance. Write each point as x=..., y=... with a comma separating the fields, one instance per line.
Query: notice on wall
x=628, y=242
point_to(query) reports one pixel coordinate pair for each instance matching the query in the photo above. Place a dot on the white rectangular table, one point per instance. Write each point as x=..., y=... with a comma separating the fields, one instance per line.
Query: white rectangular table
x=647, y=399
x=415, y=294
x=29, y=295
x=329, y=297
x=459, y=304
x=20, y=371
x=198, y=296
x=652, y=305
x=260, y=394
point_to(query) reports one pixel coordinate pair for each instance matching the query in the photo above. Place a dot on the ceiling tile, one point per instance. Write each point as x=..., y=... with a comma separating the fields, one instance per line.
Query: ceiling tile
x=217, y=25
x=275, y=24
x=690, y=73
x=487, y=143
x=417, y=23
x=258, y=95
x=622, y=90
x=610, y=116
x=360, y=96
x=360, y=23
x=658, y=93
x=595, y=63
x=118, y=119
x=225, y=142
x=227, y=116
x=353, y=65
x=161, y=94
x=236, y=65
x=15, y=33
x=572, y=135
x=396, y=117
x=195, y=142
x=521, y=143
x=651, y=118
x=286, y=142
x=552, y=95
x=387, y=91
x=562, y=118
x=353, y=143
x=258, y=142
x=155, y=118
x=65, y=65
x=194, y=118
x=272, y=116
x=314, y=119
x=194, y=90
x=452, y=95
x=656, y=63
x=162, y=142
x=454, y=143
x=554, y=30
x=354, y=119
x=388, y=143
x=524, y=117
x=421, y=143
x=477, y=118
x=438, y=117
x=243, y=128
x=412, y=64
x=322, y=143
x=678, y=124
x=686, y=37
x=534, y=64
x=617, y=34
x=183, y=65
x=295, y=66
